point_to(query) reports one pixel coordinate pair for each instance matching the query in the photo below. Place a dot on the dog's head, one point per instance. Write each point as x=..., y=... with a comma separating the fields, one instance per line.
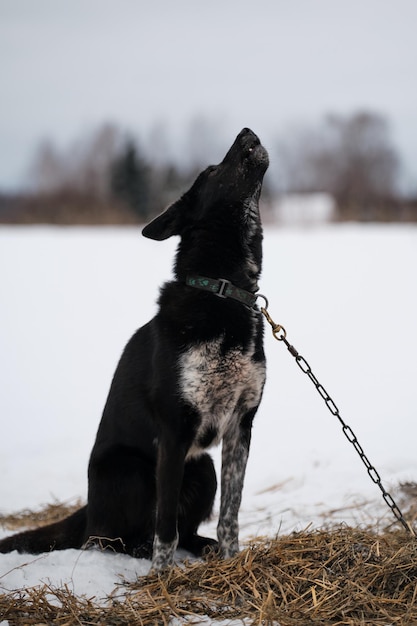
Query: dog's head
x=233, y=186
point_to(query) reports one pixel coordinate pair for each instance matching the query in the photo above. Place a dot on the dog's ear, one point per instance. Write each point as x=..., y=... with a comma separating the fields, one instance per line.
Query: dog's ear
x=166, y=224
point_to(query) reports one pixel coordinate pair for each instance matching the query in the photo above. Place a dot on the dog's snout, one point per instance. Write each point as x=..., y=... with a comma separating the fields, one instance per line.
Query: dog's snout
x=248, y=138
x=244, y=145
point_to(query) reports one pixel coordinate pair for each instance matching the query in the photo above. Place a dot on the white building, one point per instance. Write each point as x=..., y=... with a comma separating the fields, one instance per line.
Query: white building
x=306, y=209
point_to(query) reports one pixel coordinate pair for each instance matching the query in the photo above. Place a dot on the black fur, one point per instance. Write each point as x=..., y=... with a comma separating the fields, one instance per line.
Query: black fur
x=190, y=377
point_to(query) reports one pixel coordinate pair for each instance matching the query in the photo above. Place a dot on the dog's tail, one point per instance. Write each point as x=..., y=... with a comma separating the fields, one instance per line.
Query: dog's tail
x=67, y=533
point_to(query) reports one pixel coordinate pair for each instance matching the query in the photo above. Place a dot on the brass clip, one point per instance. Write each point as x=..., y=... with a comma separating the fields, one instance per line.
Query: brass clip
x=278, y=331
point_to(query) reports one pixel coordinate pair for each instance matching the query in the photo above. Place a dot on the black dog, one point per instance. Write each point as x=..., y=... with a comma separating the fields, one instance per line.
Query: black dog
x=191, y=377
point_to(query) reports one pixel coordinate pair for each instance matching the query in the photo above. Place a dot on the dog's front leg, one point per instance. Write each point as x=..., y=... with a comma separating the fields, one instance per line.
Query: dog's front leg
x=235, y=451
x=169, y=475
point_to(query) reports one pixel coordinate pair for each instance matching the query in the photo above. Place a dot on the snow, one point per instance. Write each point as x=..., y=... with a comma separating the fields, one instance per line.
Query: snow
x=71, y=298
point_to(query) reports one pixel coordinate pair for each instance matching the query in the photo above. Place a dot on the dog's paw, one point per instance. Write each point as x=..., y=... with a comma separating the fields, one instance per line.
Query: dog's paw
x=163, y=554
x=199, y=546
x=143, y=551
x=210, y=549
x=229, y=550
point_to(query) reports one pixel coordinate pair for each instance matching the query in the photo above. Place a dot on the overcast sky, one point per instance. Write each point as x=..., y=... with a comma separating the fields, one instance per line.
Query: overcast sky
x=67, y=66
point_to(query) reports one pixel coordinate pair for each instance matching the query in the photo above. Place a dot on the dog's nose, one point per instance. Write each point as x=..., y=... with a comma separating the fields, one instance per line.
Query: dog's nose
x=248, y=136
x=246, y=131
x=247, y=139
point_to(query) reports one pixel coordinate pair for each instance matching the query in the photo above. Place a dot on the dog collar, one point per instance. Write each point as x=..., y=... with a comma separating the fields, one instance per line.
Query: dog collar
x=222, y=288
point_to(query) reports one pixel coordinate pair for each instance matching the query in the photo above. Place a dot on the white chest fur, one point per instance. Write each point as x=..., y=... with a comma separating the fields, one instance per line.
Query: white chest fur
x=221, y=387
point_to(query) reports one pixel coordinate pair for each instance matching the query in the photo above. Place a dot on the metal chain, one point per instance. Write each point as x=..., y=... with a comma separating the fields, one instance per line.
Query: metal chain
x=280, y=334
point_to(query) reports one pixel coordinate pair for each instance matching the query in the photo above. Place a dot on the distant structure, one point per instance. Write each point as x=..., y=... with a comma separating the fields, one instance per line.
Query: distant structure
x=304, y=209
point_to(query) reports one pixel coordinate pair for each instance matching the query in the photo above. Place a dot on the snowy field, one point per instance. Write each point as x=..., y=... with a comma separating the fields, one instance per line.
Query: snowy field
x=71, y=298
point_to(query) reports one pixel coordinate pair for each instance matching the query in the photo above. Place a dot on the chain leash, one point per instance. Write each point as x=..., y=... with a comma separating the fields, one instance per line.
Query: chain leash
x=280, y=334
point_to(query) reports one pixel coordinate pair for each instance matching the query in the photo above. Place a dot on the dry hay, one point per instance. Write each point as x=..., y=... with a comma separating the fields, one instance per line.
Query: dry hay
x=343, y=576
x=334, y=576
x=48, y=514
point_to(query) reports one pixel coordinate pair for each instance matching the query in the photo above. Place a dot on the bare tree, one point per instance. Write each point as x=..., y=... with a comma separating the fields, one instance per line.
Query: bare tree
x=47, y=171
x=361, y=166
x=83, y=167
x=350, y=157
x=96, y=154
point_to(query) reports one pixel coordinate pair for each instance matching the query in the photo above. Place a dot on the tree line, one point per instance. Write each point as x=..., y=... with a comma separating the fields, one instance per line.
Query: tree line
x=109, y=176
